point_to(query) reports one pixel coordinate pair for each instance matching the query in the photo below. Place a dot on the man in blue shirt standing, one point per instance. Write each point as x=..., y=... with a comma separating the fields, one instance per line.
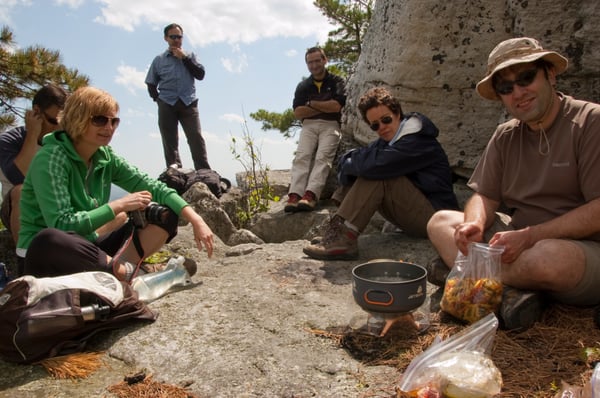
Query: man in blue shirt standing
x=170, y=82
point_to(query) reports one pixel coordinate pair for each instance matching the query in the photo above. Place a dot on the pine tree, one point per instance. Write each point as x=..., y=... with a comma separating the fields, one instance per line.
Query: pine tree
x=24, y=71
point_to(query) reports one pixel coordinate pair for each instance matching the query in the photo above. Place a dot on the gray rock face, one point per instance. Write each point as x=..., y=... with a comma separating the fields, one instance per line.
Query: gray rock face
x=242, y=329
x=431, y=54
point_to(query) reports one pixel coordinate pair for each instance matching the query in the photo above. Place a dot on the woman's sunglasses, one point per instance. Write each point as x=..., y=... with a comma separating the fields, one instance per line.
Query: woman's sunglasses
x=524, y=79
x=385, y=120
x=101, y=121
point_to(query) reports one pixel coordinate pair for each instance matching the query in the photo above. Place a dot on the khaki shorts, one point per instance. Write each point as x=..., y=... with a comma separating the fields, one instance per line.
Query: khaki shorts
x=586, y=292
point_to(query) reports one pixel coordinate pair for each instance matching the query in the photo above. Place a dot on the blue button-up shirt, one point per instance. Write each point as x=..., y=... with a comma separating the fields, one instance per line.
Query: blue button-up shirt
x=173, y=79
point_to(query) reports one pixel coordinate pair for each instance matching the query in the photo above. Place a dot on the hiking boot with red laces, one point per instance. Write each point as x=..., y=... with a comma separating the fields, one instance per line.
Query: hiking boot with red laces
x=338, y=243
x=292, y=204
x=308, y=202
x=520, y=309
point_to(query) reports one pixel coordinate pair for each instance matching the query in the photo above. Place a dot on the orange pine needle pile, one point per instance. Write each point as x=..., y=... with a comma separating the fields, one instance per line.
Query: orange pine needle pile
x=148, y=388
x=73, y=366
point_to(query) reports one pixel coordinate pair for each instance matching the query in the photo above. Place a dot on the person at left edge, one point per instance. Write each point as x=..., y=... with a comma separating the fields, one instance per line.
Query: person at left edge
x=19, y=145
x=68, y=224
x=171, y=84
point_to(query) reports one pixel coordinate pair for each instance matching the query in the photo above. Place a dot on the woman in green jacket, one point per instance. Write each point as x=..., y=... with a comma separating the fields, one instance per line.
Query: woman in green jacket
x=68, y=224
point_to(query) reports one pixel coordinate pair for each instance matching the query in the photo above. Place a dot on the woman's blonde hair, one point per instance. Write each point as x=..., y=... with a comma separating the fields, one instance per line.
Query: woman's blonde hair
x=84, y=103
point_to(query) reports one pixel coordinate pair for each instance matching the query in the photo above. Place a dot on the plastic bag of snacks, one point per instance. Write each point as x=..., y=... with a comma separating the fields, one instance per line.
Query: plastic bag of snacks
x=458, y=367
x=473, y=287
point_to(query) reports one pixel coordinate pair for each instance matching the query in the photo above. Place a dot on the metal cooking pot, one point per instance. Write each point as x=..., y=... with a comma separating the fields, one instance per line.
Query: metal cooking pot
x=389, y=286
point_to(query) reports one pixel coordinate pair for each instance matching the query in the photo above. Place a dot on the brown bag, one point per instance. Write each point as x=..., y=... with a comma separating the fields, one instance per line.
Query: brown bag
x=46, y=317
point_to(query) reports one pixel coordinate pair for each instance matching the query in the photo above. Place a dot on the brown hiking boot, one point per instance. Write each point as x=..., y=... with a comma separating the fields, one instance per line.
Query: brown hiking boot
x=292, y=204
x=437, y=272
x=338, y=243
x=520, y=309
x=308, y=201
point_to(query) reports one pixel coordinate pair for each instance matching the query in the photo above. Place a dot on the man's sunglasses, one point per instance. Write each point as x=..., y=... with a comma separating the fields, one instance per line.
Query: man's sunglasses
x=101, y=121
x=524, y=79
x=175, y=37
x=385, y=120
x=51, y=120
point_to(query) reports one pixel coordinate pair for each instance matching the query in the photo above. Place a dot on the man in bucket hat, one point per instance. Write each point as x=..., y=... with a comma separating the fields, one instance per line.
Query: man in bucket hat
x=543, y=165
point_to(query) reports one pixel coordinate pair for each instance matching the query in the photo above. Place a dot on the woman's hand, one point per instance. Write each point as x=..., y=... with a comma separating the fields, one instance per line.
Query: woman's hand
x=203, y=235
x=113, y=225
x=132, y=201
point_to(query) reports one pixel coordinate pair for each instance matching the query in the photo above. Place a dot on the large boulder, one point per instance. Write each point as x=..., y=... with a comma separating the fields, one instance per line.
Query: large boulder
x=431, y=54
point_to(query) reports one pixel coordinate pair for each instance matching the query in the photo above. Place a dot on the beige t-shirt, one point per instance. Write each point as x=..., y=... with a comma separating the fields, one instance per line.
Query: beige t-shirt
x=536, y=187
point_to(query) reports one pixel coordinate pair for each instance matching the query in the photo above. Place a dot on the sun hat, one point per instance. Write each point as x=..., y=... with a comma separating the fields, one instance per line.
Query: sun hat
x=516, y=51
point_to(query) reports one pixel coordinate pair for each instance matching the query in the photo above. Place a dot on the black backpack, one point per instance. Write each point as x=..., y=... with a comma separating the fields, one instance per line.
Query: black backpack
x=46, y=317
x=182, y=179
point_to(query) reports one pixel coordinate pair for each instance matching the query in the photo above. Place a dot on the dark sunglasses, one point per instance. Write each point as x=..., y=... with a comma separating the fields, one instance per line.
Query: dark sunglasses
x=175, y=37
x=101, y=121
x=385, y=120
x=524, y=79
x=51, y=120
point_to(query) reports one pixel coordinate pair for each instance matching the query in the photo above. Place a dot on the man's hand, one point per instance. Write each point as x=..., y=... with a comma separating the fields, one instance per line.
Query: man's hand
x=177, y=52
x=514, y=242
x=466, y=233
x=34, y=121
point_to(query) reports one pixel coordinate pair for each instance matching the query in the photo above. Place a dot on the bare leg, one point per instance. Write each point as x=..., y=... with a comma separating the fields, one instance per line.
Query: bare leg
x=553, y=264
x=440, y=230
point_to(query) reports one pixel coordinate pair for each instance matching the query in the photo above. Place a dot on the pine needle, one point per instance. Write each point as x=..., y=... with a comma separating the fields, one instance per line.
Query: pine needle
x=148, y=388
x=73, y=366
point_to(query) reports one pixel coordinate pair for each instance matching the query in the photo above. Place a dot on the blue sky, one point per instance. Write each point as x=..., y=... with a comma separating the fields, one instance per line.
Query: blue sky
x=253, y=52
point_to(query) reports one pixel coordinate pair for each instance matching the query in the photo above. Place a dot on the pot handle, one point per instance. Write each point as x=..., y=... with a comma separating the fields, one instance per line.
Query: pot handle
x=385, y=303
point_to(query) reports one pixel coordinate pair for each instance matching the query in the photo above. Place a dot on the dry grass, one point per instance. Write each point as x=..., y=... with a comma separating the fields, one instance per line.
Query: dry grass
x=533, y=363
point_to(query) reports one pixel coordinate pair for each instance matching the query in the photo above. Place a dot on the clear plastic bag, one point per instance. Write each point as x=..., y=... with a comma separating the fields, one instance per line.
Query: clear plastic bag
x=473, y=287
x=459, y=366
x=591, y=389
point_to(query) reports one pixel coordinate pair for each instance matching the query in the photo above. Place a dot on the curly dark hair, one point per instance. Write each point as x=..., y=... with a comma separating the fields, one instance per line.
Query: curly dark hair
x=375, y=97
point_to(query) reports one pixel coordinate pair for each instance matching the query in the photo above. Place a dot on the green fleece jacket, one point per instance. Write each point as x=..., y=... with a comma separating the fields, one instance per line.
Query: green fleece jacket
x=61, y=192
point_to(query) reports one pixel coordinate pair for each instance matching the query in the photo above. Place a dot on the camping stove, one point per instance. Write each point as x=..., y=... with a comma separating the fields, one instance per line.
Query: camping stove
x=379, y=323
x=387, y=320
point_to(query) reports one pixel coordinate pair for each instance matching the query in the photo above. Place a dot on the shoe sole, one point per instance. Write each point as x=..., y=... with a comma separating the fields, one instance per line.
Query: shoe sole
x=331, y=257
x=305, y=207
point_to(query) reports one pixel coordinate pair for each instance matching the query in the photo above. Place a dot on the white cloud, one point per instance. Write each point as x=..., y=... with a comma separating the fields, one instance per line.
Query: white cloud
x=6, y=7
x=131, y=78
x=236, y=64
x=232, y=117
x=70, y=3
x=291, y=53
x=214, y=21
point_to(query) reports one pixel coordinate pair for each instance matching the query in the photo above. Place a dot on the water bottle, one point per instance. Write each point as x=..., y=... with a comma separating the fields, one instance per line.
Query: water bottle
x=156, y=284
x=57, y=320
